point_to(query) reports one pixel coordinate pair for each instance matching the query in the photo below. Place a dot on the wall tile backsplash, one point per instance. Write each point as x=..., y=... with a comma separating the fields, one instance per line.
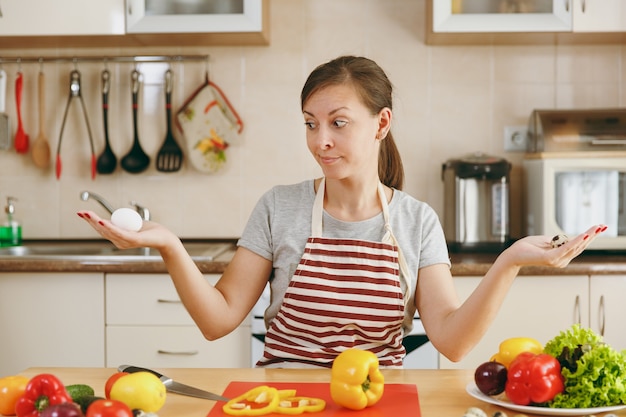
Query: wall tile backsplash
x=450, y=100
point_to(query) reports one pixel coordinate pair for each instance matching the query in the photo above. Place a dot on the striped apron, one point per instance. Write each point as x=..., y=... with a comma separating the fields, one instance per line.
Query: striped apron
x=345, y=293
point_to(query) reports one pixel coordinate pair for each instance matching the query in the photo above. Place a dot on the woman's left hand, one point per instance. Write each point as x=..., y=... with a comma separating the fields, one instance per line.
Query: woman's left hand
x=538, y=250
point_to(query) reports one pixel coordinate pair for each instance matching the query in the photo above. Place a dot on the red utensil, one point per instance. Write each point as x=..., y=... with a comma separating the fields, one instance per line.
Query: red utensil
x=21, y=138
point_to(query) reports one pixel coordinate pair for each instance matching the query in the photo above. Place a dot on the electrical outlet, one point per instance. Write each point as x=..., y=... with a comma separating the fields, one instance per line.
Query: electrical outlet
x=515, y=138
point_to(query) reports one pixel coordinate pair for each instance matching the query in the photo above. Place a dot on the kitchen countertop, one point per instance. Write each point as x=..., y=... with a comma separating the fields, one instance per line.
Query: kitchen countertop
x=588, y=263
x=17, y=264
x=440, y=392
x=463, y=264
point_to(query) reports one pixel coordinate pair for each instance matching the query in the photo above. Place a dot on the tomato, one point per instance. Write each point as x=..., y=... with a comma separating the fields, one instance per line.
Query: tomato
x=140, y=390
x=109, y=384
x=108, y=408
x=11, y=388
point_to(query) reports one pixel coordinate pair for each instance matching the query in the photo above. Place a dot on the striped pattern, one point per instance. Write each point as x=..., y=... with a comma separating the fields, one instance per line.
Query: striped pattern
x=345, y=293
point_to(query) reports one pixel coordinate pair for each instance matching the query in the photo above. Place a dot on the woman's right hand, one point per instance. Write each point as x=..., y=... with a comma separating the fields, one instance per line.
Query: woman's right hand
x=152, y=235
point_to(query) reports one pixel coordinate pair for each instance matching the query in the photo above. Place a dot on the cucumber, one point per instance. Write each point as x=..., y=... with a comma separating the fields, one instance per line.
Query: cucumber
x=85, y=401
x=77, y=391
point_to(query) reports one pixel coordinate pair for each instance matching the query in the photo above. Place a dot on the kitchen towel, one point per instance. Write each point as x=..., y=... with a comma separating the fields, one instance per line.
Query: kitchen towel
x=209, y=124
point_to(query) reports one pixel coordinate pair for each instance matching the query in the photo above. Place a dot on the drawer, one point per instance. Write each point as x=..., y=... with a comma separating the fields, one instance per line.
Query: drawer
x=145, y=299
x=176, y=347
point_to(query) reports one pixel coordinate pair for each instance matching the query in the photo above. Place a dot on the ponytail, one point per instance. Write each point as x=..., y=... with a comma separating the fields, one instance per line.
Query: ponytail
x=390, y=168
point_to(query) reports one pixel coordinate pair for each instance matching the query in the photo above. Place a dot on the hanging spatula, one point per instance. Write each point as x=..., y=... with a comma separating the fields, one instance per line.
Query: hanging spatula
x=21, y=137
x=170, y=156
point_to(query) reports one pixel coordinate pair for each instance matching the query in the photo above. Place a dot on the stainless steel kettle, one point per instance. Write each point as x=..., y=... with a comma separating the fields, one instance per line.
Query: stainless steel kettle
x=476, y=202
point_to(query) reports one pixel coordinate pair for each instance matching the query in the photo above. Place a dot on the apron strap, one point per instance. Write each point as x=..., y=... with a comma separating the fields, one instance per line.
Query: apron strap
x=390, y=238
x=318, y=210
x=317, y=226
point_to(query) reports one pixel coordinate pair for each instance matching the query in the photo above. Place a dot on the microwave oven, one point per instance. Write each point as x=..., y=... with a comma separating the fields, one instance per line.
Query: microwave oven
x=568, y=193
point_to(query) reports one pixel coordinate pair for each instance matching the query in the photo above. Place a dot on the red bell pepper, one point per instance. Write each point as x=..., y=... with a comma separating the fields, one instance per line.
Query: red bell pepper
x=533, y=378
x=41, y=391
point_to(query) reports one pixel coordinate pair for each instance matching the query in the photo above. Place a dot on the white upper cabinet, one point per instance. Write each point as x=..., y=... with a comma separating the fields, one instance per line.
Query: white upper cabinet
x=119, y=23
x=518, y=16
x=474, y=16
x=193, y=16
x=599, y=15
x=61, y=17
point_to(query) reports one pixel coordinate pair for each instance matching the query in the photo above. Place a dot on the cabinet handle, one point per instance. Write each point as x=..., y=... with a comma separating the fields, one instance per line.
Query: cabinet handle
x=577, y=316
x=567, y=5
x=601, y=315
x=583, y=5
x=163, y=300
x=180, y=353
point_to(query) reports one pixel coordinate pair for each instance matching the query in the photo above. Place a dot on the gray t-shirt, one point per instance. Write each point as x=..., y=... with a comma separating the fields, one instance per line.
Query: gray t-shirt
x=280, y=225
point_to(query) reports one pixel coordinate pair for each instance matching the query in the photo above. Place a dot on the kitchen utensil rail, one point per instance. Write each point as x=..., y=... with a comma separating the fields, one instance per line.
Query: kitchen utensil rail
x=136, y=59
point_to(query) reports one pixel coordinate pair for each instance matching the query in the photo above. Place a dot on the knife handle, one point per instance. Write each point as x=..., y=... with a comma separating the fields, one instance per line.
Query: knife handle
x=132, y=369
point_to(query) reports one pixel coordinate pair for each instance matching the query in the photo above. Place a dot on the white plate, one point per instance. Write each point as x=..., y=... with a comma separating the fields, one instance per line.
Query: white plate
x=473, y=390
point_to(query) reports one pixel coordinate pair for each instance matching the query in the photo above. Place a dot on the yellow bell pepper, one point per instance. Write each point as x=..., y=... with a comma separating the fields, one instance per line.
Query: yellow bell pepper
x=356, y=381
x=510, y=348
x=11, y=389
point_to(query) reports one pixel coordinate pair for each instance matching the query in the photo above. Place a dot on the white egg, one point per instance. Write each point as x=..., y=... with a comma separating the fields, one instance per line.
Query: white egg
x=127, y=219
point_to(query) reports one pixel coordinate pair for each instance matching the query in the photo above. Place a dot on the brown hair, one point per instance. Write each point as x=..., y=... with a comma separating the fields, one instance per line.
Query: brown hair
x=375, y=91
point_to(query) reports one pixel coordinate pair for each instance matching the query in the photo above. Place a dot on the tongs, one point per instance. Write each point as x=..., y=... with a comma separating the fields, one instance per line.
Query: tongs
x=75, y=92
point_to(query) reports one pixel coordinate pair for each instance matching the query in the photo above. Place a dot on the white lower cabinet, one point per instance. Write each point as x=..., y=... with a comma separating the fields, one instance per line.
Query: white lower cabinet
x=51, y=319
x=536, y=306
x=96, y=320
x=147, y=325
x=608, y=309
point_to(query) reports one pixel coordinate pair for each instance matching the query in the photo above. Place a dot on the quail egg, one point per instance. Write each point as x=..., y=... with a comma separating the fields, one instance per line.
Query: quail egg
x=559, y=240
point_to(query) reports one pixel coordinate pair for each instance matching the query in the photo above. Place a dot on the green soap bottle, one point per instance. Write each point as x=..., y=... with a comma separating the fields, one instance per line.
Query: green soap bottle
x=11, y=229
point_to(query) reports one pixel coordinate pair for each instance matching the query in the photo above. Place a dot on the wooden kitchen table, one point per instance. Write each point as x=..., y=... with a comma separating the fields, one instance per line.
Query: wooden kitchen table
x=441, y=392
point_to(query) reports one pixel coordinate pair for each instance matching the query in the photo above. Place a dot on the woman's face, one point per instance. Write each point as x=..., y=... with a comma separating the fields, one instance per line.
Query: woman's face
x=342, y=133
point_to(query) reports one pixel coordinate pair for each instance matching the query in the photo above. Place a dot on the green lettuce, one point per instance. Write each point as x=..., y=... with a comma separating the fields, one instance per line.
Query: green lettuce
x=599, y=379
x=574, y=336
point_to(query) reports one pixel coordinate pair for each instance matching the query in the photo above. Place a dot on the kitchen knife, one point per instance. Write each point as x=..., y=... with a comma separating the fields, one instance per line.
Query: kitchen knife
x=174, y=386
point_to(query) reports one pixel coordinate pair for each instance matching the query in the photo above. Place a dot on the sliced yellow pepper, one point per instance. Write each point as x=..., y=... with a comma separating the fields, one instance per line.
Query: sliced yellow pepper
x=256, y=402
x=299, y=405
x=286, y=393
x=263, y=400
x=356, y=381
x=510, y=348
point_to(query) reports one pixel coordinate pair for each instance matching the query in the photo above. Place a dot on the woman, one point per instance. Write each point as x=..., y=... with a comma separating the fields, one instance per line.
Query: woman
x=349, y=256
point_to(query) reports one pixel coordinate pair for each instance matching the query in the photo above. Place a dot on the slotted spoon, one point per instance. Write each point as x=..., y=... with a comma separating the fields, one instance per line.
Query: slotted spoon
x=170, y=156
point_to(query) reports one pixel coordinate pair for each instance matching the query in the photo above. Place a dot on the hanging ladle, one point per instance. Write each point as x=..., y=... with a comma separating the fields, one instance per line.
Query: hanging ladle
x=107, y=161
x=136, y=160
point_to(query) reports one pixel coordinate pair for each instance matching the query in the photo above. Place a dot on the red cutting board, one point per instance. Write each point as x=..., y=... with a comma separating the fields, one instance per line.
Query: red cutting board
x=397, y=400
